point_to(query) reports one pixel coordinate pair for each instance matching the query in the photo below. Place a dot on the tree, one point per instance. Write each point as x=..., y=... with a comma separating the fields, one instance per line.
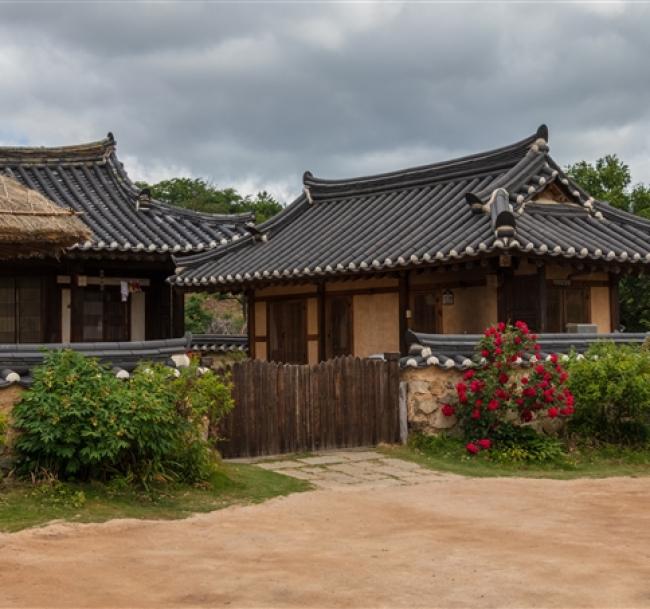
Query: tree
x=197, y=319
x=200, y=195
x=609, y=179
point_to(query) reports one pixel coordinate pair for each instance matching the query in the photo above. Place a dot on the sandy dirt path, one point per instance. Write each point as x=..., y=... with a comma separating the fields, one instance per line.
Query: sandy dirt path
x=455, y=542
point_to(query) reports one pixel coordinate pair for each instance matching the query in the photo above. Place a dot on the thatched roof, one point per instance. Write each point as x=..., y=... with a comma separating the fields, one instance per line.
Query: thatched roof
x=31, y=224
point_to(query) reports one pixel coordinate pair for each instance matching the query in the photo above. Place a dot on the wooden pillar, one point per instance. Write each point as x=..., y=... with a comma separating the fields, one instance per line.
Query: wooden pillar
x=504, y=287
x=614, y=303
x=543, y=298
x=76, y=305
x=177, y=316
x=250, y=322
x=403, y=309
x=322, y=328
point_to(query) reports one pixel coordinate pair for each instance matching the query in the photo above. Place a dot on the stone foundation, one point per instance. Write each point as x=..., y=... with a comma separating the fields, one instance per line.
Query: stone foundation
x=427, y=389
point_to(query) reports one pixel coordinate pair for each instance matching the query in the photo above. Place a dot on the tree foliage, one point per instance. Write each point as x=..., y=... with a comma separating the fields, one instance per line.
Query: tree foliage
x=197, y=319
x=609, y=179
x=200, y=195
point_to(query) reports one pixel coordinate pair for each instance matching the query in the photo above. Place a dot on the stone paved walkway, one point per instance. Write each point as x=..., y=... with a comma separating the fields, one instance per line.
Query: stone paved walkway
x=353, y=469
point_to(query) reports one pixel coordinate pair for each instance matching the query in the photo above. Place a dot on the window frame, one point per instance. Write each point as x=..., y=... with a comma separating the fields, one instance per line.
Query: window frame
x=18, y=308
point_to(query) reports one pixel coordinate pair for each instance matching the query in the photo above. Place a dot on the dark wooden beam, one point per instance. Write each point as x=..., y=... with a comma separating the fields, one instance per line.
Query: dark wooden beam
x=250, y=322
x=543, y=298
x=177, y=313
x=403, y=308
x=614, y=303
x=320, y=295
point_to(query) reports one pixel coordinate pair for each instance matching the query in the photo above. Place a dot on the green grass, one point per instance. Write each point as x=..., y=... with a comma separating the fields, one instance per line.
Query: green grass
x=24, y=505
x=449, y=455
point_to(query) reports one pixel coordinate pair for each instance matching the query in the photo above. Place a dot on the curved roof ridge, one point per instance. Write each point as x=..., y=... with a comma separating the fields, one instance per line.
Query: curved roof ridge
x=97, y=150
x=491, y=159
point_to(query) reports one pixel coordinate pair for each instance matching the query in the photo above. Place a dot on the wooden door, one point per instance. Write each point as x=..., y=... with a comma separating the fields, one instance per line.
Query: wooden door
x=567, y=304
x=288, y=331
x=425, y=311
x=104, y=317
x=338, y=326
x=521, y=300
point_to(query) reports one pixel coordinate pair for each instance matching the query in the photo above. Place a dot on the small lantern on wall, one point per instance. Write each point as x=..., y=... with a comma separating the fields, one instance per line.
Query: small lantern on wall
x=447, y=297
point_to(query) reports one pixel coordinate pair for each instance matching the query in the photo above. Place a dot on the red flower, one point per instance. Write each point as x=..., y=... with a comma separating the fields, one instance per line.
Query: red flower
x=519, y=401
x=567, y=411
x=498, y=351
x=497, y=340
x=552, y=412
x=501, y=394
x=564, y=376
x=548, y=395
x=526, y=416
x=517, y=340
x=472, y=449
x=448, y=410
x=529, y=392
x=554, y=358
x=485, y=443
x=503, y=378
x=524, y=380
x=476, y=413
x=485, y=353
x=522, y=325
x=493, y=405
x=476, y=386
x=537, y=347
x=478, y=403
x=469, y=374
x=540, y=369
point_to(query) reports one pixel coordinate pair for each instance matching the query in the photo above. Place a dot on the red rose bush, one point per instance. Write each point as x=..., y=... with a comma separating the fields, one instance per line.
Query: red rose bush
x=500, y=391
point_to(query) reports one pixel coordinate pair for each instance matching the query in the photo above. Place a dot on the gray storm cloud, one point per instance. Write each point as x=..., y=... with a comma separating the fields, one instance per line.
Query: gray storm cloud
x=251, y=95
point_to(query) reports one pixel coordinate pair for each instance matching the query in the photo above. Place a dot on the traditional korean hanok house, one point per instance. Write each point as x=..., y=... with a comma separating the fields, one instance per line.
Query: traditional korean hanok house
x=111, y=285
x=447, y=248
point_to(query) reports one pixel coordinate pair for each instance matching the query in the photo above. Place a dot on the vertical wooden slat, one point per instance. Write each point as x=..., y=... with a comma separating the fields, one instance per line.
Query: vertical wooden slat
x=342, y=402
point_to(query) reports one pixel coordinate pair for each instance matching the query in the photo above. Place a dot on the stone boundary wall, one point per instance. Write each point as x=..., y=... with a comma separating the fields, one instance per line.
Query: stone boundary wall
x=427, y=389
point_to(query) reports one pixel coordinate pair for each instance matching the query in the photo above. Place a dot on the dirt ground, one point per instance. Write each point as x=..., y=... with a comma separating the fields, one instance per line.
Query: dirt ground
x=454, y=542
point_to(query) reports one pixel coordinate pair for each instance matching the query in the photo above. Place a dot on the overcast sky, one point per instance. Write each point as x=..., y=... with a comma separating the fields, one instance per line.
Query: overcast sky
x=251, y=95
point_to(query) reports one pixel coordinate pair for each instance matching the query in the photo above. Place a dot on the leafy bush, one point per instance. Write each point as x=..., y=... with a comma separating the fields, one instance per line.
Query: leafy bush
x=4, y=429
x=495, y=394
x=512, y=444
x=79, y=421
x=612, y=388
x=55, y=493
x=519, y=444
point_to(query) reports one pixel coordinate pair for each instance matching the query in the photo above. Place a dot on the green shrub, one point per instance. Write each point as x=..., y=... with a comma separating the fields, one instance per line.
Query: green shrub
x=4, y=429
x=79, y=421
x=517, y=444
x=55, y=493
x=612, y=392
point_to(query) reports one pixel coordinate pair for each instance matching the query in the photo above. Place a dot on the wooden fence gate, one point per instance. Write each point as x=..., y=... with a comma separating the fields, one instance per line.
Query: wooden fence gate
x=280, y=408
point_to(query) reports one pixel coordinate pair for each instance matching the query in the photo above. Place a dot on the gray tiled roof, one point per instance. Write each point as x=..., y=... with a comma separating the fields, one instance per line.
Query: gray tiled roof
x=458, y=350
x=219, y=343
x=90, y=179
x=447, y=211
x=18, y=360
